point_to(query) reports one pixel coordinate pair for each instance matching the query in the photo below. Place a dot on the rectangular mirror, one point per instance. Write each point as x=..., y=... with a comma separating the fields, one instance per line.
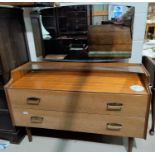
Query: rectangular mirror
x=96, y=32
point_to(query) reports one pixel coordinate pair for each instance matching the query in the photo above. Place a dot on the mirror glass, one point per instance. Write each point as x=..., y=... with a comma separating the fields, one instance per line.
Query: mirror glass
x=87, y=32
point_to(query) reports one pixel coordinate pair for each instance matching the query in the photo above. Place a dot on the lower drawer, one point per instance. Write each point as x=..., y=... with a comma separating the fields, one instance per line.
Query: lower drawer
x=82, y=122
x=5, y=120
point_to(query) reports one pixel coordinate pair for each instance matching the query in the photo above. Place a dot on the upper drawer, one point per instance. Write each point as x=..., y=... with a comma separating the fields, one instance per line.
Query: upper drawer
x=98, y=103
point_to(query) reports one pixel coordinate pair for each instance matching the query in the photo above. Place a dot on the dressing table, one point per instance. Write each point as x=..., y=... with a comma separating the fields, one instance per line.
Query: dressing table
x=101, y=98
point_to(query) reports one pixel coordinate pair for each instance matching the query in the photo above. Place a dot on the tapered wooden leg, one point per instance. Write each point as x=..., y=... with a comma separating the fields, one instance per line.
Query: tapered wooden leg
x=28, y=131
x=130, y=143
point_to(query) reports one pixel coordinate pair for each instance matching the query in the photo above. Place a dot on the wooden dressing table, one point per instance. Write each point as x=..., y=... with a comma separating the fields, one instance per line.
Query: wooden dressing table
x=82, y=97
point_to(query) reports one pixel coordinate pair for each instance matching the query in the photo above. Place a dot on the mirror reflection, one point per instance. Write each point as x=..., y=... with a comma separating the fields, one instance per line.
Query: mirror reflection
x=86, y=32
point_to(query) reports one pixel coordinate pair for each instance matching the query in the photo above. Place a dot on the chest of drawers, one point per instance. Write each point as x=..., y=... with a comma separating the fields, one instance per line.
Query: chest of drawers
x=82, y=97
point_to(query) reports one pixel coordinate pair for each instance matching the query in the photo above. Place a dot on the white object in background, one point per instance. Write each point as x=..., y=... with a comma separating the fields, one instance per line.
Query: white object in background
x=45, y=33
x=149, y=53
x=4, y=144
x=150, y=42
x=148, y=46
x=149, y=49
x=25, y=113
x=137, y=88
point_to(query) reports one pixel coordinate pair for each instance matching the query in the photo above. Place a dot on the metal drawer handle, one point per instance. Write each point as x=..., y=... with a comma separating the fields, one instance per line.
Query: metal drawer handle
x=33, y=101
x=36, y=119
x=114, y=106
x=114, y=126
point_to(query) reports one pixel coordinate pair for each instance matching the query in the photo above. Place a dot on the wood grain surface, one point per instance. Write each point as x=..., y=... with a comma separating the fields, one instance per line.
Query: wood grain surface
x=91, y=103
x=83, y=122
x=109, y=37
x=108, y=82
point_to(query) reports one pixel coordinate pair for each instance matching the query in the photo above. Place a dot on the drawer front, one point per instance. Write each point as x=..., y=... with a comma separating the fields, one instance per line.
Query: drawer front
x=82, y=122
x=97, y=103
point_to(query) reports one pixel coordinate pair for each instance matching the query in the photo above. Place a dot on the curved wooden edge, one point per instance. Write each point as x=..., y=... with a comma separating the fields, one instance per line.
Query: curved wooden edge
x=18, y=73
x=79, y=66
x=95, y=63
x=88, y=66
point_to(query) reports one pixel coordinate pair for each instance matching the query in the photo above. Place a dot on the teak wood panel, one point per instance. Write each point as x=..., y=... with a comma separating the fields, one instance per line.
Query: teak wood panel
x=118, y=37
x=110, y=47
x=108, y=28
x=91, y=81
x=110, y=38
x=92, y=123
x=98, y=103
x=80, y=66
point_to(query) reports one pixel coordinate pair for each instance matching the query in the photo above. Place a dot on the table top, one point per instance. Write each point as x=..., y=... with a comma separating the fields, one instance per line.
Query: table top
x=90, y=81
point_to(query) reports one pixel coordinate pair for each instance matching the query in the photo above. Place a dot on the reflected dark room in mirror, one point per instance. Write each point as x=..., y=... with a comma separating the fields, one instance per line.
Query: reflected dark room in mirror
x=98, y=32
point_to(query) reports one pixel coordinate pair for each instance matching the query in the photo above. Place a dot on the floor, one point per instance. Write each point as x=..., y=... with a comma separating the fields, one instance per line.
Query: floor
x=49, y=144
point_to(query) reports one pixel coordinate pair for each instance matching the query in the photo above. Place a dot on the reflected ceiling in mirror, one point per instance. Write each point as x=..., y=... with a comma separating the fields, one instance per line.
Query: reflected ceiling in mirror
x=87, y=32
